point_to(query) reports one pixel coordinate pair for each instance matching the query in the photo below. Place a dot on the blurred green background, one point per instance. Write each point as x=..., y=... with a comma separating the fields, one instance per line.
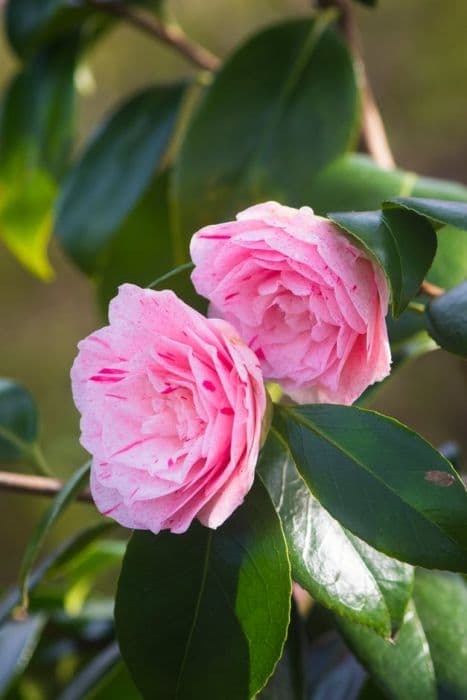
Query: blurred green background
x=416, y=58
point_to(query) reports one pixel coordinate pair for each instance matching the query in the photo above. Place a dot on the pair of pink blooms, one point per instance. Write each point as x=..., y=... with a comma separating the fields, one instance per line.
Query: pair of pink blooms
x=173, y=403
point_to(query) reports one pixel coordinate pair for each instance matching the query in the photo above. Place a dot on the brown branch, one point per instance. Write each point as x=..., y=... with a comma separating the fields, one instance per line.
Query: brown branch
x=374, y=135
x=37, y=485
x=172, y=35
x=431, y=289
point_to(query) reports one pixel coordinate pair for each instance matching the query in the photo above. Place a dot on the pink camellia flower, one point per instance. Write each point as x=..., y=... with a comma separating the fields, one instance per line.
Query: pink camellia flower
x=306, y=300
x=172, y=406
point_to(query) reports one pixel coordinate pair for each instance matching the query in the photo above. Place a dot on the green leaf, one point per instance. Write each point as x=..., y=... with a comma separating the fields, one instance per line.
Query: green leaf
x=438, y=210
x=382, y=481
x=63, y=498
x=441, y=601
x=447, y=320
x=143, y=248
x=355, y=182
x=403, y=243
x=370, y=3
x=403, y=668
x=18, y=641
x=35, y=134
x=30, y=24
x=18, y=420
x=281, y=108
x=205, y=614
x=133, y=141
x=450, y=264
x=335, y=567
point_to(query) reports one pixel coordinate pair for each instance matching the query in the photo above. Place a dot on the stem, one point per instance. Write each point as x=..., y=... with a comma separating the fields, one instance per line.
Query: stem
x=431, y=289
x=173, y=35
x=373, y=132
x=36, y=485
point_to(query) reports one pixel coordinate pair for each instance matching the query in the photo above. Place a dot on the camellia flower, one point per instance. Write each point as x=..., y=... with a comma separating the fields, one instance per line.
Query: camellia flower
x=172, y=406
x=310, y=303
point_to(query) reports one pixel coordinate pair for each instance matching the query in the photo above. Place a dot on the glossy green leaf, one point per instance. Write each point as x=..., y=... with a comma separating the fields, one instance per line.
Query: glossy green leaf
x=283, y=106
x=133, y=141
x=382, y=481
x=403, y=668
x=205, y=614
x=440, y=211
x=403, y=243
x=63, y=498
x=335, y=567
x=447, y=320
x=18, y=641
x=18, y=420
x=441, y=601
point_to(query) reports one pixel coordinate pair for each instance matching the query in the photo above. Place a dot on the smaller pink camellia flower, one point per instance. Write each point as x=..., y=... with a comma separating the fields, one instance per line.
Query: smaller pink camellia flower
x=172, y=406
x=309, y=303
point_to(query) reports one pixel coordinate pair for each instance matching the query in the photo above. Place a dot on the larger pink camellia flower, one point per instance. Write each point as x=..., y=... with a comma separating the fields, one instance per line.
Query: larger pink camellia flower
x=172, y=406
x=310, y=303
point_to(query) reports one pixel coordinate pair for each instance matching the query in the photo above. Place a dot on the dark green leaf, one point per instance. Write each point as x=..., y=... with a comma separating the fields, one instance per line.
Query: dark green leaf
x=69, y=491
x=281, y=108
x=95, y=198
x=370, y=3
x=205, y=614
x=447, y=320
x=403, y=243
x=141, y=248
x=441, y=601
x=336, y=568
x=18, y=420
x=382, y=481
x=403, y=669
x=440, y=211
x=18, y=640
x=30, y=24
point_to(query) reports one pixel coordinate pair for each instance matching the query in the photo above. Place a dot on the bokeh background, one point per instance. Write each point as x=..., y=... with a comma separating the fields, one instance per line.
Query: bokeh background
x=417, y=61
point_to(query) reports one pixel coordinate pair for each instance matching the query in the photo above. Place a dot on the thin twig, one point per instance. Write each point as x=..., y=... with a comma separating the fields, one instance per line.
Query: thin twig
x=172, y=35
x=37, y=485
x=431, y=289
x=373, y=132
